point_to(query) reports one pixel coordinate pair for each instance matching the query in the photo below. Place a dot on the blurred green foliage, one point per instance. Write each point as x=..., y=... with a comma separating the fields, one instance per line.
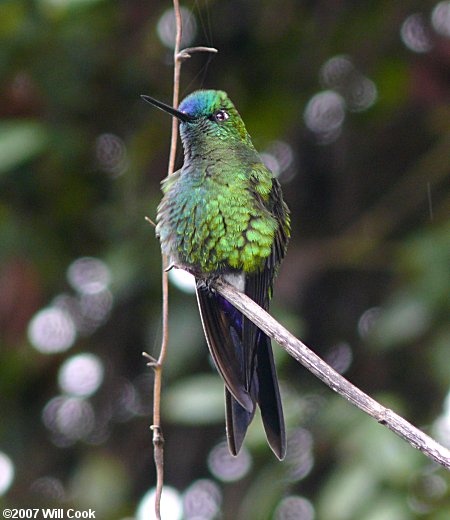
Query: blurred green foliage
x=349, y=101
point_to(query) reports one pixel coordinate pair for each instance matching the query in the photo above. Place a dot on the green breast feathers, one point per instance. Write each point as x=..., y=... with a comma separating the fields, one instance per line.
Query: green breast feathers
x=208, y=224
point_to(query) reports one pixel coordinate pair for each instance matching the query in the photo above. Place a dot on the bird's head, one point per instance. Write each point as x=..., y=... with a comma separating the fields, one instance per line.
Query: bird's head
x=208, y=117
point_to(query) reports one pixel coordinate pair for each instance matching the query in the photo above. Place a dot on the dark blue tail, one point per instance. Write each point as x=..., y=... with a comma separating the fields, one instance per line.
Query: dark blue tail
x=247, y=368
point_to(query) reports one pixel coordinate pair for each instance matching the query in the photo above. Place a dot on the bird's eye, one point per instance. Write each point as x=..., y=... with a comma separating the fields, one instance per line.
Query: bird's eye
x=221, y=115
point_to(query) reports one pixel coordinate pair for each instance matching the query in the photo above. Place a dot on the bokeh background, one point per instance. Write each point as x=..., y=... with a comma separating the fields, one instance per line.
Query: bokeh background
x=349, y=103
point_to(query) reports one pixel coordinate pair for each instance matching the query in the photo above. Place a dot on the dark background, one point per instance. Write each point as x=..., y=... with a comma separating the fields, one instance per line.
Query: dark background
x=349, y=102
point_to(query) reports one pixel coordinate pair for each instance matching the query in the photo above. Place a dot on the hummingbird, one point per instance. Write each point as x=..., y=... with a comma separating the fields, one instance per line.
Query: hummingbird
x=223, y=216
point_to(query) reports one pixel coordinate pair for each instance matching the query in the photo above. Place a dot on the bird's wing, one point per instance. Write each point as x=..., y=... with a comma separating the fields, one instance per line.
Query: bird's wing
x=258, y=285
x=260, y=369
x=280, y=211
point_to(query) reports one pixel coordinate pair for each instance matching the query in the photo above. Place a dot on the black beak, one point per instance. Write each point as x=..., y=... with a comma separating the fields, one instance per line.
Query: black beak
x=176, y=113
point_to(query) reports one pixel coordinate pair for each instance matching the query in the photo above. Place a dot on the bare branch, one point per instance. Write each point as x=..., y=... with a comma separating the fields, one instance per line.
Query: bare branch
x=158, y=439
x=300, y=352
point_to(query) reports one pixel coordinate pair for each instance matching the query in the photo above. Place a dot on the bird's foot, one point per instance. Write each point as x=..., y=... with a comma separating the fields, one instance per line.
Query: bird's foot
x=207, y=282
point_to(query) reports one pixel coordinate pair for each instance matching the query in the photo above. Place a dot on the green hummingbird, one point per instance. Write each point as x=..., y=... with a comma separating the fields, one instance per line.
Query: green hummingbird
x=223, y=215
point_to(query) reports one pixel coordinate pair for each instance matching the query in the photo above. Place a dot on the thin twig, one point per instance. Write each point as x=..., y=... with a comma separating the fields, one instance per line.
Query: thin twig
x=300, y=352
x=158, y=439
x=157, y=364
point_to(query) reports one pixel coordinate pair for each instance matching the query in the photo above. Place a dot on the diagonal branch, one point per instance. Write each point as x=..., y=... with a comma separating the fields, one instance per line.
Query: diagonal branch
x=301, y=353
